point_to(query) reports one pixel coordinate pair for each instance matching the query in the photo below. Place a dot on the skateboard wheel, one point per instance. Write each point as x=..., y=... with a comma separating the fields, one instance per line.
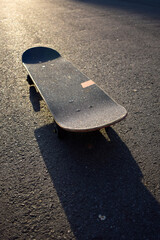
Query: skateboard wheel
x=59, y=131
x=29, y=80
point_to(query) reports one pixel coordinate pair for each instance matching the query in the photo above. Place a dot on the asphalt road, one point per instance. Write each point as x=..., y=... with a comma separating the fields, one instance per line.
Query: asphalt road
x=94, y=186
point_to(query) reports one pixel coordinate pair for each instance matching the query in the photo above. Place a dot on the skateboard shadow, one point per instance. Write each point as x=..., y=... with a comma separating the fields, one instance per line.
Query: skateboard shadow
x=99, y=185
x=35, y=98
x=39, y=55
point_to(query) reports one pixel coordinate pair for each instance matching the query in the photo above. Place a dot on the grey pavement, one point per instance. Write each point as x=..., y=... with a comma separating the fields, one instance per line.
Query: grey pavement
x=95, y=186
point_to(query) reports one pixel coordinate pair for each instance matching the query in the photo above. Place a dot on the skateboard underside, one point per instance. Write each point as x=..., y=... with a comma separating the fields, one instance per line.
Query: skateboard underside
x=75, y=101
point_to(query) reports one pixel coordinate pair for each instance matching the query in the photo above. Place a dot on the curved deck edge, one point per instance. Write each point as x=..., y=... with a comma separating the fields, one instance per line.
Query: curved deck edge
x=39, y=54
x=96, y=128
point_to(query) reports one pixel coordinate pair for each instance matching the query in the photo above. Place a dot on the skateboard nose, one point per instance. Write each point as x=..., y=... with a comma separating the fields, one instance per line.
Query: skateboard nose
x=39, y=54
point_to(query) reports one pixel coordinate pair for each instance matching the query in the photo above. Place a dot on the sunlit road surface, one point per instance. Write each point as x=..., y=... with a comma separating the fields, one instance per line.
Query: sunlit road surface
x=95, y=186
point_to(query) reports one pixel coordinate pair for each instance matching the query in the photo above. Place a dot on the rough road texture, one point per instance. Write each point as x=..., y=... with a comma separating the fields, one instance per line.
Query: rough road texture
x=84, y=187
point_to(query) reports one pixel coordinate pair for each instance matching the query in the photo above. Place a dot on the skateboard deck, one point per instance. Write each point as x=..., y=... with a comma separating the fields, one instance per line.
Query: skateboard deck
x=75, y=101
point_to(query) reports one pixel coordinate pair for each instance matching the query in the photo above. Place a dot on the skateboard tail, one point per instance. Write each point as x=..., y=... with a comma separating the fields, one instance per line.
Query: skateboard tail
x=38, y=55
x=93, y=128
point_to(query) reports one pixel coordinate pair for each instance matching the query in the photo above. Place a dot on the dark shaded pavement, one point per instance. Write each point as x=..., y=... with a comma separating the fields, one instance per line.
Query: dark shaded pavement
x=99, y=177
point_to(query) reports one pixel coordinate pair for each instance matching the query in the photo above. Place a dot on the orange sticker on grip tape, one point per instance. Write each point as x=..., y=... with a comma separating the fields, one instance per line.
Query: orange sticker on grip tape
x=87, y=83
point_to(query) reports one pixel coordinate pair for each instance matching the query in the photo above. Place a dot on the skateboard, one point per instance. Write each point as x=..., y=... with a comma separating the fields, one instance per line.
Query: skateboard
x=75, y=101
